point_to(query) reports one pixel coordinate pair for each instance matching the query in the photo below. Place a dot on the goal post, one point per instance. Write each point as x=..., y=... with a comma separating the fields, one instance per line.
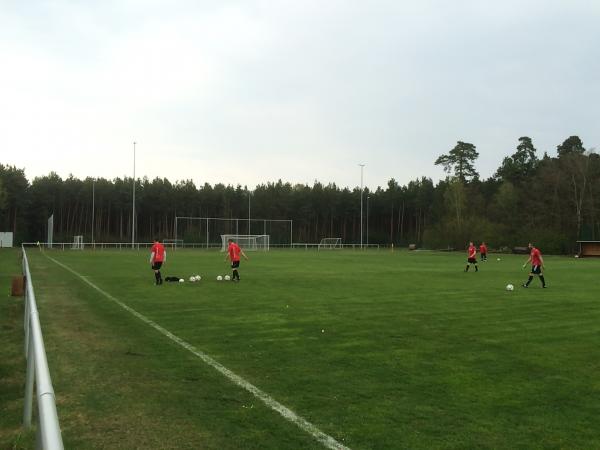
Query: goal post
x=252, y=242
x=330, y=243
x=77, y=243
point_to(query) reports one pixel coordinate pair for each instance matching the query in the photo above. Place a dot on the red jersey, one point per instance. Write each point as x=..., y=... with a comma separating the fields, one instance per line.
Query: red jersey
x=159, y=252
x=472, y=251
x=482, y=249
x=536, y=257
x=234, y=251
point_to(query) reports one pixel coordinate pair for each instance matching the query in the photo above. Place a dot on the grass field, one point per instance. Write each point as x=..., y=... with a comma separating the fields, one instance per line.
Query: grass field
x=376, y=349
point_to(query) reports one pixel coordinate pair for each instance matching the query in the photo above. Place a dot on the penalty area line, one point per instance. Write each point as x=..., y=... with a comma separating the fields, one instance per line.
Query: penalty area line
x=273, y=404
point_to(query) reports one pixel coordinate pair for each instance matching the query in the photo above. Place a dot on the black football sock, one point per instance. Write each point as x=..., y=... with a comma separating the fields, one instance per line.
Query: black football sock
x=476, y=268
x=467, y=268
x=542, y=280
x=157, y=277
x=529, y=280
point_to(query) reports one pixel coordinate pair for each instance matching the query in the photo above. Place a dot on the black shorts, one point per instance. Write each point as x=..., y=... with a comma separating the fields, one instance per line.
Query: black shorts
x=156, y=265
x=472, y=260
x=235, y=264
x=536, y=269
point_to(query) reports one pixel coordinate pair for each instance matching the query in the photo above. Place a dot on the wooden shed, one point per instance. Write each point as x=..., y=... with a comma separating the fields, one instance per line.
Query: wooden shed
x=589, y=248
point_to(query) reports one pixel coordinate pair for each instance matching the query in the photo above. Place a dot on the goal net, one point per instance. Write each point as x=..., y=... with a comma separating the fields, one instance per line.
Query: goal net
x=77, y=243
x=330, y=243
x=246, y=241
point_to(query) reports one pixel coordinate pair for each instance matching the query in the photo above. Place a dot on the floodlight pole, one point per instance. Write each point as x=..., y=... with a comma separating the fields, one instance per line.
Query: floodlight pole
x=133, y=207
x=93, y=206
x=368, y=197
x=249, y=194
x=362, y=166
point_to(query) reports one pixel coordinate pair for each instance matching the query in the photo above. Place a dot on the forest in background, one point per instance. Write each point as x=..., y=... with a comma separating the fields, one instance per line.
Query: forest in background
x=550, y=200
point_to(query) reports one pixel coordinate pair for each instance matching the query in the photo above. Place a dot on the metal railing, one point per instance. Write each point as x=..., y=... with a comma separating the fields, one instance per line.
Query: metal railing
x=90, y=245
x=316, y=246
x=171, y=245
x=48, y=429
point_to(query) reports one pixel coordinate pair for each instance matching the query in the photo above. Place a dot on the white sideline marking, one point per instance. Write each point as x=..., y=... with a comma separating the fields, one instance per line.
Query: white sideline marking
x=287, y=413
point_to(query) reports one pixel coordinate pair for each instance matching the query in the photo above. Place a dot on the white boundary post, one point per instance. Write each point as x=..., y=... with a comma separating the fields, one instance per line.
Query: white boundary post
x=50, y=236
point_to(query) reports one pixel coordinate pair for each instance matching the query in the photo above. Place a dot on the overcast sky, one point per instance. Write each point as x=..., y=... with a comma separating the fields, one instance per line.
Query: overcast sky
x=245, y=92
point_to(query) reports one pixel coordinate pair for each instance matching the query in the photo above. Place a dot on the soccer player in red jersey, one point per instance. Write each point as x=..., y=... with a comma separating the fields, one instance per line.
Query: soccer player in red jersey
x=537, y=264
x=471, y=257
x=158, y=256
x=483, y=251
x=233, y=252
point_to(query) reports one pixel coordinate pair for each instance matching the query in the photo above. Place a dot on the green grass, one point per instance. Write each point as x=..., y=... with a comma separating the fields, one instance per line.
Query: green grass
x=377, y=349
x=12, y=360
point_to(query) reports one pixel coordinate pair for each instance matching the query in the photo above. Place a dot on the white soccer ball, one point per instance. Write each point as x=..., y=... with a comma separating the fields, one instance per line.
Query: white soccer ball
x=198, y=277
x=227, y=278
x=181, y=280
x=510, y=287
x=219, y=278
x=192, y=279
x=498, y=259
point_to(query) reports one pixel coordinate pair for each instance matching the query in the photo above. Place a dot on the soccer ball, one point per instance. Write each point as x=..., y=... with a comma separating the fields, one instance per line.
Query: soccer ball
x=227, y=278
x=198, y=277
x=181, y=280
x=219, y=278
x=192, y=279
x=509, y=287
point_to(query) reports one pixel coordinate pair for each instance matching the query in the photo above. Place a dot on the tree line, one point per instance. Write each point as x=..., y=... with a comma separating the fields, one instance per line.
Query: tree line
x=552, y=200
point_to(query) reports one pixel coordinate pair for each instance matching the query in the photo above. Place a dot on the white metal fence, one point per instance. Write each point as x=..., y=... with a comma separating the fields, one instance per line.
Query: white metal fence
x=315, y=246
x=48, y=429
x=179, y=245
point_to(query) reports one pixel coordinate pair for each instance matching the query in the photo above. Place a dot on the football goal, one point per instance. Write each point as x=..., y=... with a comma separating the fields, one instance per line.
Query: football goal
x=330, y=243
x=246, y=241
x=77, y=243
x=207, y=231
